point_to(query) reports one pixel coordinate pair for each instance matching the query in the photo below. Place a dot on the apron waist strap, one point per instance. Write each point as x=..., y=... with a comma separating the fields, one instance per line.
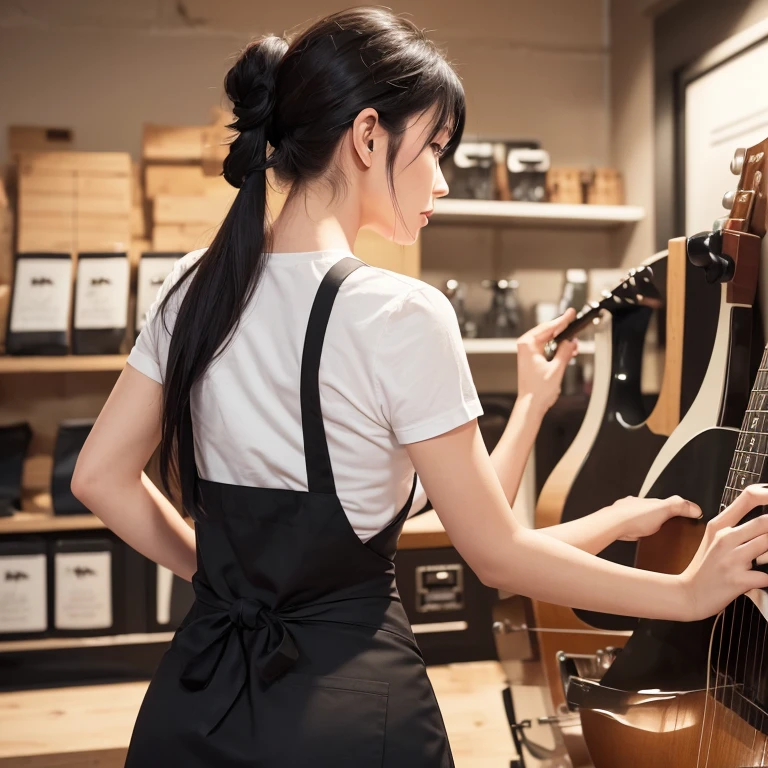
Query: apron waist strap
x=223, y=649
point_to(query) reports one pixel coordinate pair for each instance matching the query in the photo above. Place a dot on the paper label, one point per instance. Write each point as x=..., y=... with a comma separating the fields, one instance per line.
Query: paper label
x=42, y=294
x=152, y=273
x=23, y=593
x=83, y=590
x=101, y=300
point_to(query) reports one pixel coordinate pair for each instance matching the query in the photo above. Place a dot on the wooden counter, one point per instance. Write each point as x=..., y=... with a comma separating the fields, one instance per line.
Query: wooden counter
x=421, y=532
x=424, y=532
x=90, y=726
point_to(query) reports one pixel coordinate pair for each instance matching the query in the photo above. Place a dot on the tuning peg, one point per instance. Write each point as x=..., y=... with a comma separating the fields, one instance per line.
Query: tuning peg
x=705, y=250
x=738, y=161
x=719, y=224
x=728, y=199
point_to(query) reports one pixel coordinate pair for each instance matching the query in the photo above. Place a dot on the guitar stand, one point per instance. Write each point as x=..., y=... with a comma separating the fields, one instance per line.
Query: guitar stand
x=519, y=737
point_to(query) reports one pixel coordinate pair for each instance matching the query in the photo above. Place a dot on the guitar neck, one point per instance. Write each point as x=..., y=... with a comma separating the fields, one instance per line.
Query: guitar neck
x=579, y=323
x=752, y=445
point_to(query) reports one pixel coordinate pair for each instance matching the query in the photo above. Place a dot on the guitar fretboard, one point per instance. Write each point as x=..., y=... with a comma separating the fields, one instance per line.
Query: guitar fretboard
x=752, y=445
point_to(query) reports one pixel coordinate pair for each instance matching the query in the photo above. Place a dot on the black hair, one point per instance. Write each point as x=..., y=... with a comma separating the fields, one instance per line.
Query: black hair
x=292, y=104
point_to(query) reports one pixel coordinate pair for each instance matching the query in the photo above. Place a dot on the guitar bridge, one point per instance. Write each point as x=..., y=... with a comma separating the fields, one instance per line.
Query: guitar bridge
x=587, y=666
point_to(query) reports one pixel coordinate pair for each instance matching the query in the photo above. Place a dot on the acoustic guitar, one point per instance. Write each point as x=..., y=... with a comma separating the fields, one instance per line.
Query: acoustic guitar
x=615, y=447
x=695, y=695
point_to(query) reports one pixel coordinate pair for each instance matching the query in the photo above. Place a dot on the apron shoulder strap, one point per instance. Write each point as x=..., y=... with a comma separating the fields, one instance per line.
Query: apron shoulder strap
x=319, y=471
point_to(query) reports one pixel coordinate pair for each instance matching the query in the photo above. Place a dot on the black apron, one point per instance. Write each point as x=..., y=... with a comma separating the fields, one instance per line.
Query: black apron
x=297, y=652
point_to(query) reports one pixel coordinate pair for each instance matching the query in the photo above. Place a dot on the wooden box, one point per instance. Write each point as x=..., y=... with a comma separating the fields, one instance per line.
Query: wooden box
x=182, y=237
x=564, y=185
x=74, y=201
x=183, y=180
x=25, y=138
x=605, y=186
x=6, y=238
x=192, y=209
x=173, y=143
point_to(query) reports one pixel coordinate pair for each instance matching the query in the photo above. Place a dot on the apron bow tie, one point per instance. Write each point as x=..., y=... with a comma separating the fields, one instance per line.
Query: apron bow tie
x=221, y=639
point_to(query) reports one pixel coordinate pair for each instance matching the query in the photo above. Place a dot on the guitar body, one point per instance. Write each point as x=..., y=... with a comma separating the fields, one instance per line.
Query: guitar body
x=709, y=709
x=618, y=442
x=683, y=722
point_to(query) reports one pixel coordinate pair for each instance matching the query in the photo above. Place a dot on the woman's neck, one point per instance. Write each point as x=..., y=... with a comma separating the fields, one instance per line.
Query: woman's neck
x=312, y=222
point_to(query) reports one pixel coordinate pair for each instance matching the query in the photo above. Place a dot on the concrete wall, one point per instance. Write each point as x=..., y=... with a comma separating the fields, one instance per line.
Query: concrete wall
x=530, y=70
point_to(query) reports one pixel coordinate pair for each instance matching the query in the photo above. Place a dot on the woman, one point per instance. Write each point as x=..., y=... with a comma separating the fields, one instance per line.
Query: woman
x=296, y=389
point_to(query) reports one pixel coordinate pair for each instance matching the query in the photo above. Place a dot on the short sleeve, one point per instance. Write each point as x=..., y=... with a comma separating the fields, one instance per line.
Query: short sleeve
x=424, y=385
x=150, y=352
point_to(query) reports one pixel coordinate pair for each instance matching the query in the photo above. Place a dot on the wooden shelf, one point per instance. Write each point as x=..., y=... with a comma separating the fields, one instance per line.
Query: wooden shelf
x=42, y=522
x=61, y=363
x=509, y=346
x=455, y=211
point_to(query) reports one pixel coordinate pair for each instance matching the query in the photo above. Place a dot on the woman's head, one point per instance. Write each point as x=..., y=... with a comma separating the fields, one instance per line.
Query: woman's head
x=359, y=80
x=361, y=102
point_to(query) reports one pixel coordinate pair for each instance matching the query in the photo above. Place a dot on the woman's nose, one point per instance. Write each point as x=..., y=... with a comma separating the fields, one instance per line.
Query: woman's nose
x=440, y=188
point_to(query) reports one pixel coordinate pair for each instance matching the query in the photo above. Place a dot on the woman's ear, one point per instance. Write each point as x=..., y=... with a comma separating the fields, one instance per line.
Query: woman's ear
x=363, y=130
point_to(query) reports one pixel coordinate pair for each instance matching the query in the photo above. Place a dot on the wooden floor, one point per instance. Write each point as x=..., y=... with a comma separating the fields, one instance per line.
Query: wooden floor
x=89, y=726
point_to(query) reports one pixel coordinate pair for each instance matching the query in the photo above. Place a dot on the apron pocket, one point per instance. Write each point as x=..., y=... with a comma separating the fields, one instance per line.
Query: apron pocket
x=324, y=722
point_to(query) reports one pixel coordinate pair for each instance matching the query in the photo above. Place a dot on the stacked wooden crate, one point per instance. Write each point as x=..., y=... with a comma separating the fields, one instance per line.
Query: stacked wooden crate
x=187, y=206
x=73, y=201
x=6, y=260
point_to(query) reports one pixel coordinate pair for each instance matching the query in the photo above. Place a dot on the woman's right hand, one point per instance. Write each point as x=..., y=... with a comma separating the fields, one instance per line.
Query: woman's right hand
x=539, y=378
x=721, y=569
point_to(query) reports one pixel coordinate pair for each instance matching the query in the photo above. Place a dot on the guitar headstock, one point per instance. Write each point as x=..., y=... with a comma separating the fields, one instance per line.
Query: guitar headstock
x=636, y=289
x=747, y=204
x=731, y=253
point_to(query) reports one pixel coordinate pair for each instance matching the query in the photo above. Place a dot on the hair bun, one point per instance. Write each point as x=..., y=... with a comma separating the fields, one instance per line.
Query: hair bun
x=250, y=86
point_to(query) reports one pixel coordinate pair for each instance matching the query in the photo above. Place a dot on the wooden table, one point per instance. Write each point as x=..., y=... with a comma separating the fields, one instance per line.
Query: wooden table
x=424, y=531
x=90, y=726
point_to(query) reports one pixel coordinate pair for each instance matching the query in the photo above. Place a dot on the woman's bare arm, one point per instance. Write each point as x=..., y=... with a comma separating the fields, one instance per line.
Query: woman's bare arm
x=461, y=483
x=109, y=476
x=539, y=385
x=592, y=533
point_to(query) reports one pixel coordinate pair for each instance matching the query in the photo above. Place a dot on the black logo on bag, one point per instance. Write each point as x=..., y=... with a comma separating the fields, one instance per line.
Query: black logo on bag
x=16, y=575
x=83, y=570
x=100, y=281
x=42, y=281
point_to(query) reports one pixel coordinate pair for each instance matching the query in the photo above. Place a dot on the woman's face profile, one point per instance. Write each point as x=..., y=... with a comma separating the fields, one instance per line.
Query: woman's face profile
x=399, y=214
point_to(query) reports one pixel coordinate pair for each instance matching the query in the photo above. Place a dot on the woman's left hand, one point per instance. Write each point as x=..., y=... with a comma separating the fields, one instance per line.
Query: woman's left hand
x=644, y=517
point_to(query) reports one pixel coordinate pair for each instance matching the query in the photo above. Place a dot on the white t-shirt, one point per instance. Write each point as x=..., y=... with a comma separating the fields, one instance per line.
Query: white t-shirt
x=393, y=371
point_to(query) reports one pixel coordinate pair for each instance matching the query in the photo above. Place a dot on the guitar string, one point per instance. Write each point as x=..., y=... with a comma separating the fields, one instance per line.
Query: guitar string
x=749, y=677
x=733, y=715
x=753, y=692
x=760, y=683
x=746, y=698
x=718, y=619
x=756, y=679
x=732, y=491
x=739, y=715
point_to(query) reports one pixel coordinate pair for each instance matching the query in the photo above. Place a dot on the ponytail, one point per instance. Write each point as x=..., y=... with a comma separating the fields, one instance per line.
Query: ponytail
x=230, y=269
